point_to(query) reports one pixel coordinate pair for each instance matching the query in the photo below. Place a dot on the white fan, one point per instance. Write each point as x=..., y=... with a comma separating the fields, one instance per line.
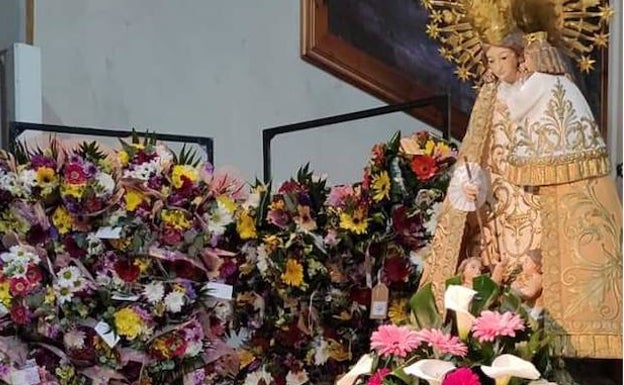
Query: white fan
x=467, y=172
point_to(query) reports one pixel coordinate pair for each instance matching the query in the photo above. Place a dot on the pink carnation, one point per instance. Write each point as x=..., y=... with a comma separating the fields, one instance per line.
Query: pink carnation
x=339, y=194
x=394, y=340
x=461, y=376
x=443, y=343
x=492, y=324
x=378, y=377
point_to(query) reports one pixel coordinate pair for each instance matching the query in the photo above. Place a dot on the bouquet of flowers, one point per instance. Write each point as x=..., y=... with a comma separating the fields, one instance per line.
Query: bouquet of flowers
x=104, y=265
x=313, y=253
x=486, y=336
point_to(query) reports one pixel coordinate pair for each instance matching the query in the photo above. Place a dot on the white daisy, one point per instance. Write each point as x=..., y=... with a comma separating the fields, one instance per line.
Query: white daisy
x=174, y=301
x=94, y=245
x=321, y=351
x=219, y=219
x=153, y=292
x=28, y=179
x=63, y=294
x=260, y=374
x=297, y=378
x=68, y=275
x=106, y=183
x=74, y=339
x=8, y=182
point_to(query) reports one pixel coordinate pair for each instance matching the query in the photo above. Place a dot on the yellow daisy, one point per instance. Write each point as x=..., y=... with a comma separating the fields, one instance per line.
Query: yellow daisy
x=381, y=186
x=133, y=199
x=246, y=226
x=355, y=223
x=398, y=311
x=293, y=275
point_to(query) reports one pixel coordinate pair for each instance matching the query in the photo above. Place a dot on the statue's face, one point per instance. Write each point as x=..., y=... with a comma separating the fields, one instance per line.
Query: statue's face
x=503, y=62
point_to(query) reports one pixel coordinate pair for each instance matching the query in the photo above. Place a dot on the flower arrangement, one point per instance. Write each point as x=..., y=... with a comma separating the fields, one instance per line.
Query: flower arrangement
x=313, y=254
x=104, y=260
x=487, y=336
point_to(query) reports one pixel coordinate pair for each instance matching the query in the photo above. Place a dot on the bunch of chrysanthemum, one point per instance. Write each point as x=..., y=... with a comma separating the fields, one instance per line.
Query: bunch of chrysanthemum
x=284, y=266
x=87, y=183
x=478, y=340
x=20, y=279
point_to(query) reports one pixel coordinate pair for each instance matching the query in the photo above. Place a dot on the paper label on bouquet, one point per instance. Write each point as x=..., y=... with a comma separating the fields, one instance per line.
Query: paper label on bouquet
x=3, y=310
x=368, y=268
x=125, y=297
x=28, y=376
x=109, y=232
x=379, y=302
x=107, y=334
x=220, y=290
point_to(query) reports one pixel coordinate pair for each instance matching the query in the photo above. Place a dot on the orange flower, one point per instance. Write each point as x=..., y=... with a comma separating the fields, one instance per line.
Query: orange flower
x=424, y=167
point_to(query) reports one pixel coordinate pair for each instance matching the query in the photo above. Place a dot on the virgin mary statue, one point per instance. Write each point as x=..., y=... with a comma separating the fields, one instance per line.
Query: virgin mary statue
x=547, y=196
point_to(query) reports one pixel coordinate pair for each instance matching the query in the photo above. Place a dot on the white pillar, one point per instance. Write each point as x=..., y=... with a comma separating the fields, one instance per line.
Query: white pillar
x=23, y=85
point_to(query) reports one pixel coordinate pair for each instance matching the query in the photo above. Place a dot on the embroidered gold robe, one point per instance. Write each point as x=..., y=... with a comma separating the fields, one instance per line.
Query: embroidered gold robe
x=546, y=142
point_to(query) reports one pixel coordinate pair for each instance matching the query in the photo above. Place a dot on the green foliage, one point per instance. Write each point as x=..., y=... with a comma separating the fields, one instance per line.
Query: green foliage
x=188, y=156
x=91, y=151
x=424, y=308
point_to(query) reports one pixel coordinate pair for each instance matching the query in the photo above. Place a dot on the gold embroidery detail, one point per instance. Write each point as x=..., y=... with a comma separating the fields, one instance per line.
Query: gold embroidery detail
x=582, y=255
x=446, y=245
x=559, y=148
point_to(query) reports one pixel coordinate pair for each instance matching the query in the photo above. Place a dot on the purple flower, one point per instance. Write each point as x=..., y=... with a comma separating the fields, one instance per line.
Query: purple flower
x=38, y=161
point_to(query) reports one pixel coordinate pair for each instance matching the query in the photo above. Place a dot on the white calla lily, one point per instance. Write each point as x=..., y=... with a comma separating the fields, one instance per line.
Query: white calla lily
x=363, y=366
x=458, y=299
x=432, y=371
x=506, y=366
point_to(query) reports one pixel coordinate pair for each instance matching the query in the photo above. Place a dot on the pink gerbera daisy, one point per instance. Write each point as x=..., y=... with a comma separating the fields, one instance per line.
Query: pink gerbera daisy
x=461, y=376
x=443, y=343
x=492, y=324
x=394, y=340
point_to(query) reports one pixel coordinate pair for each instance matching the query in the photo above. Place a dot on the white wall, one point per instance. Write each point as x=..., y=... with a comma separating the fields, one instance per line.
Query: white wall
x=12, y=22
x=225, y=69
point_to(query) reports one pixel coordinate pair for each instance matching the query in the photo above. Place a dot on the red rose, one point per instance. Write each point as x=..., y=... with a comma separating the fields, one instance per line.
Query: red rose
x=290, y=187
x=361, y=295
x=19, y=315
x=72, y=248
x=93, y=204
x=171, y=236
x=75, y=174
x=19, y=286
x=34, y=275
x=396, y=269
x=127, y=270
x=424, y=166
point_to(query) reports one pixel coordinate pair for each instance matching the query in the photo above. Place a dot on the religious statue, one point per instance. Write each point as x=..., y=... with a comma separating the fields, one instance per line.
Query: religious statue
x=551, y=210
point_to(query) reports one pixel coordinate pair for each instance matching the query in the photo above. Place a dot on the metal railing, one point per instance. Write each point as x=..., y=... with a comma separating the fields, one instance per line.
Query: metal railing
x=441, y=102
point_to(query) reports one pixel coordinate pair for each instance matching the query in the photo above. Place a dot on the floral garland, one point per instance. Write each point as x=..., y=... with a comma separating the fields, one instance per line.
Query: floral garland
x=314, y=254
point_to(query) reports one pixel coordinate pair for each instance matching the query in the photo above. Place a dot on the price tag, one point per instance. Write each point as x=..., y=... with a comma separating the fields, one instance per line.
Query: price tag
x=125, y=297
x=104, y=330
x=379, y=302
x=220, y=290
x=108, y=233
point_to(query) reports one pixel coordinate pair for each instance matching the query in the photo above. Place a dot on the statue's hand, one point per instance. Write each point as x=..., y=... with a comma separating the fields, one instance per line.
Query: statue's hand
x=470, y=191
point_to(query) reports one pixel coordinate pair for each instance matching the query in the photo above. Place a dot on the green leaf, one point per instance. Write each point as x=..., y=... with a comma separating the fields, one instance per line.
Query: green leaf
x=487, y=292
x=263, y=205
x=456, y=280
x=404, y=377
x=424, y=308
x=395, y=142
